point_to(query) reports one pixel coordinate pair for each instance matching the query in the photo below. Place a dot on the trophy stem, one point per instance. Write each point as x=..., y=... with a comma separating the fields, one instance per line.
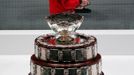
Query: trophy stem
x=64, y=38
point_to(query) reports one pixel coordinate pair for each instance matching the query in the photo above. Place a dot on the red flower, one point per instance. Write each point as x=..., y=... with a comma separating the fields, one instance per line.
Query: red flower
x=60, y=6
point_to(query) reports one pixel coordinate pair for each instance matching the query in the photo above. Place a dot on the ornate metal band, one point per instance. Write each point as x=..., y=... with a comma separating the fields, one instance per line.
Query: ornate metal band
x=91, y=67
x=88, y=74
x=97, y=59
x=41, y=42
x=67, y=54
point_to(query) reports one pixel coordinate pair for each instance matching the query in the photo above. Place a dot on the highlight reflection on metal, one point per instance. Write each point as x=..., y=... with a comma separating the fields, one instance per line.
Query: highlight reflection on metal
x=73, y=54
x=66, y=72
x=60, y=55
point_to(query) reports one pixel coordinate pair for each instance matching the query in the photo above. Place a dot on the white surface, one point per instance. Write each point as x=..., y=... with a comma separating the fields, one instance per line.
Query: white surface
x=92, y=32
x=112, y=65
x=110, y=42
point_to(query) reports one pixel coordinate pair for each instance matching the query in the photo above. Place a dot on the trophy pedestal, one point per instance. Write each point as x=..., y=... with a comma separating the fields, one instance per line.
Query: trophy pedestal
x=100, y=74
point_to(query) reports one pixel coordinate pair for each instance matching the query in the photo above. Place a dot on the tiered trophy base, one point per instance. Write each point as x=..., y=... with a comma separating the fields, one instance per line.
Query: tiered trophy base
x=100, y=74
x=89, y=67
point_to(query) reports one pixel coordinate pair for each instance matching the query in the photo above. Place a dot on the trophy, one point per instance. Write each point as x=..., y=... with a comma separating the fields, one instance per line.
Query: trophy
x=66, y=52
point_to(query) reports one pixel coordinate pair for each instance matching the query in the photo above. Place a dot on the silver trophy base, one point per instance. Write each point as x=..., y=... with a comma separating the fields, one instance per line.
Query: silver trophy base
x=100, y=74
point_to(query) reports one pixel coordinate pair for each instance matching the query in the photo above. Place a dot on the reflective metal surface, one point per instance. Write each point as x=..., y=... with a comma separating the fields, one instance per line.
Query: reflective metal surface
x=66, y=55
x=72, y=53
x=66, y=52
x=85, y=70
x=68, y=22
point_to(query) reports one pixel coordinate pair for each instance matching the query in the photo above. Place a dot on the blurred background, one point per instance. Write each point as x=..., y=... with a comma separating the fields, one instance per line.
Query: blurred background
x=30, y=14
